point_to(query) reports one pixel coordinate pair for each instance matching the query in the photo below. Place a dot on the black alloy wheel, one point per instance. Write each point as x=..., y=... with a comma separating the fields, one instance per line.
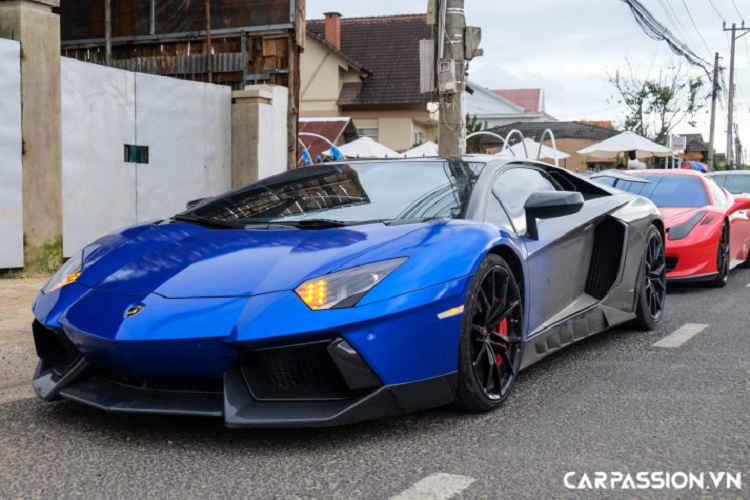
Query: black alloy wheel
x=652, y=290
x=492, y=341
x=656, y=277
x=722, y=259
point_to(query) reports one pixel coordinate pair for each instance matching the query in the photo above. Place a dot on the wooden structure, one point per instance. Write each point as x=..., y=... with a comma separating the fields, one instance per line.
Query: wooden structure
x=228, y=42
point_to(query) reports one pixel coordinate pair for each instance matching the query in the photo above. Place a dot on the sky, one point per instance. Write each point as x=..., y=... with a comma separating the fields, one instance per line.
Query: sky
x=570, y=48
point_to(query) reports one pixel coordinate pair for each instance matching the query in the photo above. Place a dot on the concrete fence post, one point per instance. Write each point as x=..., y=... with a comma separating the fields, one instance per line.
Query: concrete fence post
x=259, y=133
x=38, y=29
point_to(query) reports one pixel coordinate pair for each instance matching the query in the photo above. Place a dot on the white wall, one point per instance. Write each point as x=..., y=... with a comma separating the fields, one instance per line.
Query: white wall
x=272, y=133
x=11, y=204
x=186, y=125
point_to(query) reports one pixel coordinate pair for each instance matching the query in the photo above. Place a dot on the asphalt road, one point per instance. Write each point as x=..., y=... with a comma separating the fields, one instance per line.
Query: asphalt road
x=614, y=402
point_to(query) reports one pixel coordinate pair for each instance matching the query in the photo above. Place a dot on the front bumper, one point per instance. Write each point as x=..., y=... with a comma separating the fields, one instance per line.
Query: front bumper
x=263, y=361
x=246, y=397
x=691, y=261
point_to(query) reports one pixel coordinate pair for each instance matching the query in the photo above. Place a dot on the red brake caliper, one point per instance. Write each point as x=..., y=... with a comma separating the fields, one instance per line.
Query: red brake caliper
x=502, y=329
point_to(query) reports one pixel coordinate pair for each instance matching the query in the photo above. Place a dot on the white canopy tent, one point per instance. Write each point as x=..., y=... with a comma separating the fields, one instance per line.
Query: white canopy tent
x=425, y=150
x=364, y=147
x=530, y=149
x=626, y=142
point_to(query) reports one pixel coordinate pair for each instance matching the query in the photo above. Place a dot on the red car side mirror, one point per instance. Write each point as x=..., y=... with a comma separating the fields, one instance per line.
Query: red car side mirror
x=741, y=202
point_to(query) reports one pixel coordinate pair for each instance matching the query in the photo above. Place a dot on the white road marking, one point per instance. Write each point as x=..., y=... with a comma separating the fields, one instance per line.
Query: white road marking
x=681, y=335
x=748, y=285
x=436, y=487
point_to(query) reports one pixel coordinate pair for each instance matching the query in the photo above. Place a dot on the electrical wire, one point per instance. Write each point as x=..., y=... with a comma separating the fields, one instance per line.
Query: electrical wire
x=657, y=31
x=690, y=15
x=716, y=10
x=738, y=10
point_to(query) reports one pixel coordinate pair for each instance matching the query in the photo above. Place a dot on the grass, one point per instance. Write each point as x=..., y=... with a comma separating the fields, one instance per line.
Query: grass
x=40, y=261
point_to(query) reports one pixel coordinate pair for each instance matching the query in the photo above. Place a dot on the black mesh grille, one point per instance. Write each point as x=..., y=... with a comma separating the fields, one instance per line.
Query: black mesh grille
x=671, y=264
x=54, y=348
x=304, y=371
x=606, y=258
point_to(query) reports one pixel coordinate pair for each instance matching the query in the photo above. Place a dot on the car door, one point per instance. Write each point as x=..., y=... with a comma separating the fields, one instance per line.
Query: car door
x=558, y=261
x=739, y=223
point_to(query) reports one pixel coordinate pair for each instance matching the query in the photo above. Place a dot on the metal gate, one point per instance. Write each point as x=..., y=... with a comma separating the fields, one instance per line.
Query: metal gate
x=11, y=189
x=179, y=131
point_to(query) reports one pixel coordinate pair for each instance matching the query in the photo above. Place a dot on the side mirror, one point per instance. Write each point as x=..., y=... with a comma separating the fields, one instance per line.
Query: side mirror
x=549, y=205
x=741, y=202
x=192, y=204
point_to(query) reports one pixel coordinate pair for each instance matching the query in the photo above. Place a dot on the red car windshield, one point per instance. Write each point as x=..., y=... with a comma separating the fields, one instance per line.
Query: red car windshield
x=668, y=191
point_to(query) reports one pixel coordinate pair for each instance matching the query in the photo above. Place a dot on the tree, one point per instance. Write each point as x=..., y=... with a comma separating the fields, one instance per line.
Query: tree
x=474, y=145
x=656, y=106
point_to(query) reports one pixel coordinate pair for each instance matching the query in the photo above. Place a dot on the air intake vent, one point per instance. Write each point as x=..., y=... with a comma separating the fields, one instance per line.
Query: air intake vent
x=298, y=372
x=54, y=348
x=606, y=258
x=671, y=264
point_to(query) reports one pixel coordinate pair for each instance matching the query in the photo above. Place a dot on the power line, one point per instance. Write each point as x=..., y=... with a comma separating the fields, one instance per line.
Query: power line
x=738, y=10
x=716, y=10
x=696, y=26
x=657, y=31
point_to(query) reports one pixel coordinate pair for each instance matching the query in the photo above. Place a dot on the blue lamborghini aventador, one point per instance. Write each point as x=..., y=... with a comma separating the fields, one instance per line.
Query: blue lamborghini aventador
x=349, y=291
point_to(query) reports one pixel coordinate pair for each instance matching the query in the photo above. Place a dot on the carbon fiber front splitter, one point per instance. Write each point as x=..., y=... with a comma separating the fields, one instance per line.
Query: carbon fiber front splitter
x=236, y=405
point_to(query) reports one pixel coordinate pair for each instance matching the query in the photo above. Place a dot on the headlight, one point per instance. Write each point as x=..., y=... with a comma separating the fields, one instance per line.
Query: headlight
x=67, y=274
x=345, y=288
x=681, y=231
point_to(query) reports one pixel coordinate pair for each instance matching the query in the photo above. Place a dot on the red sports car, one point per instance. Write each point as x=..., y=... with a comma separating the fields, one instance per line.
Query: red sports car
x=708, y=228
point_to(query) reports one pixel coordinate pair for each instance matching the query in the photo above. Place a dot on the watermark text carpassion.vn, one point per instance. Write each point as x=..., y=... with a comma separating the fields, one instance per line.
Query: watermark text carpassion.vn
x=654, y=480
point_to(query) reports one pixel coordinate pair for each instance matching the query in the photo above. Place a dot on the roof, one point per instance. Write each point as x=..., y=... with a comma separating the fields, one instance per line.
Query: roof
x=695, y=143
x=528, y=99
x=388, y=46
x=325, y=43
x=672, y=171
x=562, y=130
x=333, y=129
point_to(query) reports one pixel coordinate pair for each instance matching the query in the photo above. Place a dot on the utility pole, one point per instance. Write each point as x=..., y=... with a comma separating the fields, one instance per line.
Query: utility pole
x=209, y=45
x=714, y=96
x=730, y=121
x=452, y=77
x=108, y=32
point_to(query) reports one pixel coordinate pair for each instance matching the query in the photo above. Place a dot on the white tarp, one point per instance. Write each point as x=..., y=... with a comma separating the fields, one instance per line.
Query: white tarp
x=364, y=147
x=11, y=189
x=186, y=126
x=423, y=151
x=529, y=148
x=625, y=142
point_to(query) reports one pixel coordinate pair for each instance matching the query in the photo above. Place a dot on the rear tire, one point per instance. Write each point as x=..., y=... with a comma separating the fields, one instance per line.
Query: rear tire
x=722, y=260
x=652, y=292
x=491, y=344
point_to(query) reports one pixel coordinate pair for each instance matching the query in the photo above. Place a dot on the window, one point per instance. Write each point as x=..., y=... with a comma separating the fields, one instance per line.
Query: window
x=737, y=184
x=419, y=138
x=513, y=189
x=350, y=194
x=372, y=133
x=720, y=199
x=669, y=191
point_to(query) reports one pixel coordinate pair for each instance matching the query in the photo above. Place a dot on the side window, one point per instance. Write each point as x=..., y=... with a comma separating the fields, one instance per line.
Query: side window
x=514, y=187
x=720, y=199
x=720, y=179
x=496, y=215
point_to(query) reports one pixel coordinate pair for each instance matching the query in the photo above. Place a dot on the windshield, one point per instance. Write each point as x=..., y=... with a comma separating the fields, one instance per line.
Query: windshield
x=668, y=191
x=350, y=193
x=735, y=184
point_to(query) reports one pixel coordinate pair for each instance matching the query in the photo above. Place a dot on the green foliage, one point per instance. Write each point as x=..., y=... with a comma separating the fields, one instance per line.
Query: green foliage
x=474, y=145
x=656, y=106
x=41, y=261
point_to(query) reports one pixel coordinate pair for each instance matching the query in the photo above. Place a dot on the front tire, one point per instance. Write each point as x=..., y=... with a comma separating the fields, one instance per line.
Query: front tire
x=722, y=260
x=653, y=287
x=491, y=343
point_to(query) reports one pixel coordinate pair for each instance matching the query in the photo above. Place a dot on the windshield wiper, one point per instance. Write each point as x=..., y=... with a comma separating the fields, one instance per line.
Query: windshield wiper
x=208, y=222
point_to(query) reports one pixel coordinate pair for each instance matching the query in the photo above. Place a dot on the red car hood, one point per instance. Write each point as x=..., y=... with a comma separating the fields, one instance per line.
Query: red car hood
x=674, y=214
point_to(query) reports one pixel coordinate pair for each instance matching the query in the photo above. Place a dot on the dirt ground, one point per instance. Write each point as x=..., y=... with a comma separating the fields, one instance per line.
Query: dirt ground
x=16, y=299
x=17, y=353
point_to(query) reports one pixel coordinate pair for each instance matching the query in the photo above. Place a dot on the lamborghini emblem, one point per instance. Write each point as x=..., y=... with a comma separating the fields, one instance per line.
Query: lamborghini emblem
x=134, y=310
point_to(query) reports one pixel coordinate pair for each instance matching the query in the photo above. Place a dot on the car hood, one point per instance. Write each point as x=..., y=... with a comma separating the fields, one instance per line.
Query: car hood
x=182, y=260
x=672, y=215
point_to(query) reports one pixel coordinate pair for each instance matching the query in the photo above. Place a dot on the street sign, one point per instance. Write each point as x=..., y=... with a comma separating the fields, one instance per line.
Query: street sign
x=678, y=143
